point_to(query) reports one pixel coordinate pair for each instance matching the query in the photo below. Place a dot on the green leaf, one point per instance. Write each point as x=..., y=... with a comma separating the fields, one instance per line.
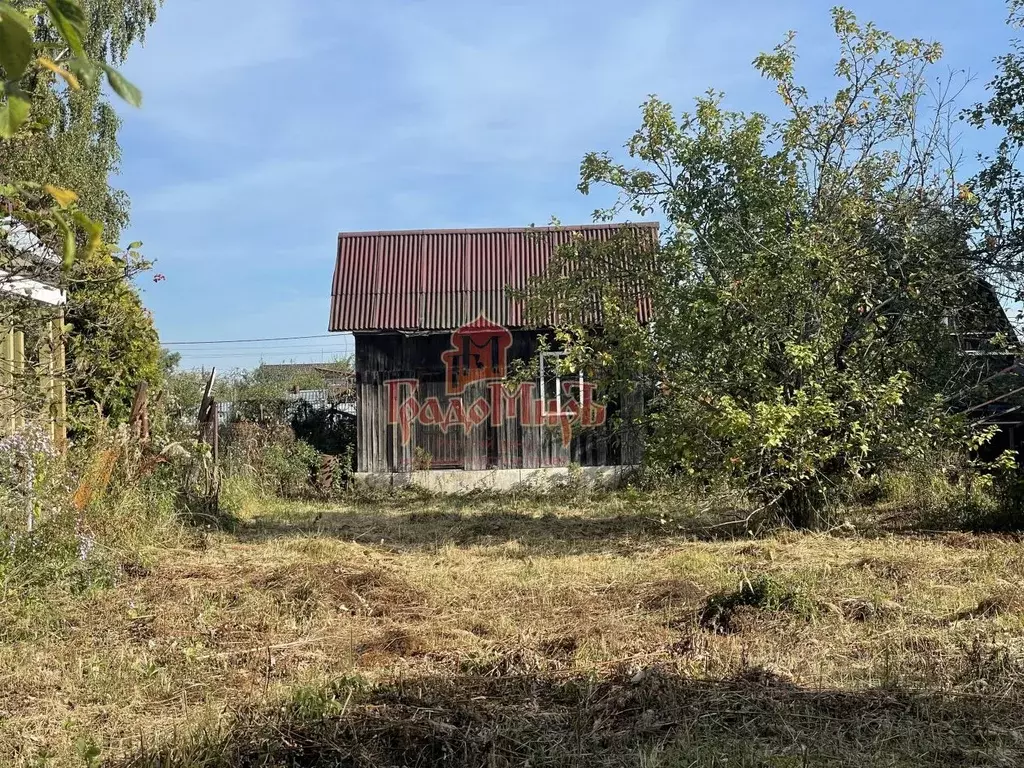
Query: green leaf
x=93, y=229
x=122, y=87
x=84, y=70
x=70, y=246
x=88, y=751
x=13, y=112
x=69, y=19
x=69, y=250
x=16, y=46
x=19, y=17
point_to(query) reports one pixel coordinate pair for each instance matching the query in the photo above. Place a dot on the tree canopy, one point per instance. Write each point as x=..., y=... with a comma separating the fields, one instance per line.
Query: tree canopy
x=813, y=279
x=59, y=153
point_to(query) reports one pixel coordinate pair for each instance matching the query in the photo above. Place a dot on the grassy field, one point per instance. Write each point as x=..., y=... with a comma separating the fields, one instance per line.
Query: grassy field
x=493, y=632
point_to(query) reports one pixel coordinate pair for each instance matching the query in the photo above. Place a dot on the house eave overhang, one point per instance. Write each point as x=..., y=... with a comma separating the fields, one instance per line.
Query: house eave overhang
x=32, y=289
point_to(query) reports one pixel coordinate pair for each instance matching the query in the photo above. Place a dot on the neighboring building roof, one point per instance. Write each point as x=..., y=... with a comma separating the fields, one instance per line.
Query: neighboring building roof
x=24, y=242
x=285, y=370
x=443, y=279
x=35, y=259
x=313, y=377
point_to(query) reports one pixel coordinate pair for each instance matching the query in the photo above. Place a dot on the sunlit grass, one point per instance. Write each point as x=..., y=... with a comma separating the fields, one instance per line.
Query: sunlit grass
x=491, y=590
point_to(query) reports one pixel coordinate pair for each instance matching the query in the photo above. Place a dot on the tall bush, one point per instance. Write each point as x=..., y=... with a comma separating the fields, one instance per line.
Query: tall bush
x=809, y=277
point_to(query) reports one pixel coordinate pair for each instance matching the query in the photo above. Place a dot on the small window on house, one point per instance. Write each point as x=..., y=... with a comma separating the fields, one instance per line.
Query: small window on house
x=554, y=384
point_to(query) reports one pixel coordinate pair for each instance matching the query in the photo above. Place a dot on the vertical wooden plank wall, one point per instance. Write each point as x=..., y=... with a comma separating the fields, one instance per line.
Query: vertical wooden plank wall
x=384, y=356
x=13, y=378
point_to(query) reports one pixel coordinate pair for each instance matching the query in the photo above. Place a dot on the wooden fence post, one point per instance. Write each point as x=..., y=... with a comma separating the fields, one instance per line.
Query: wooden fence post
x=50, y=386
x=18, y=375
x=214, y=418
x=59, y=412
x=205, y=404
x=7, y=401
x=139, y=418
x=209, y=422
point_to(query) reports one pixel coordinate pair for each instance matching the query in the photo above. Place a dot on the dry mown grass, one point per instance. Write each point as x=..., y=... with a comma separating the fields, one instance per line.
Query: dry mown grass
x=501, y=632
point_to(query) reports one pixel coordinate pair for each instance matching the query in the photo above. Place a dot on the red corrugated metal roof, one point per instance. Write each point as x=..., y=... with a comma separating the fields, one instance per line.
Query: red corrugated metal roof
x=442, y=279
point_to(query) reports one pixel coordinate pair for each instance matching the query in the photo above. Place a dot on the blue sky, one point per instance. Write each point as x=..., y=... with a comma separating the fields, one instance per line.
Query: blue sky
x=268, y=127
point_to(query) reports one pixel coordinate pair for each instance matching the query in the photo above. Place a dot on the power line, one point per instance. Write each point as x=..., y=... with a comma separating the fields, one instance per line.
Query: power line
x=250, y=341
x=267, y=348
x=242, y=351
x=258, y=350
x=284, y=356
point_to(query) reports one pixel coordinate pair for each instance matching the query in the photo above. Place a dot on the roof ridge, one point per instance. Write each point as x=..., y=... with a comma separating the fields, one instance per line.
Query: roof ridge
x=495, y=230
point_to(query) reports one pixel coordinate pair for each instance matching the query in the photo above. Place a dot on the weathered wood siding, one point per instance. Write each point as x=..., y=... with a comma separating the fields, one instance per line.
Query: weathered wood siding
x=511, y=445
x=32, y=378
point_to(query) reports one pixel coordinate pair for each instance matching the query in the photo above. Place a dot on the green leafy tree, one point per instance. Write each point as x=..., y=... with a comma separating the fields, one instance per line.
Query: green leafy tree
x=805, y=286
x=113, y=346
x=273, y=382
x=269, y=386
x=71, y=139
x=59, y=150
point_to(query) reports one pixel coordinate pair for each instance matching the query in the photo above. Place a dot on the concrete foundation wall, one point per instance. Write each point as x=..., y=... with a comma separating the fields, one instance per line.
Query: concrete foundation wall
x=462, y=481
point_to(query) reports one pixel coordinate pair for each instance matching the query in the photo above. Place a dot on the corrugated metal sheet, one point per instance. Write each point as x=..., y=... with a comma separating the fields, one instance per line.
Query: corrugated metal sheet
x=443, y=279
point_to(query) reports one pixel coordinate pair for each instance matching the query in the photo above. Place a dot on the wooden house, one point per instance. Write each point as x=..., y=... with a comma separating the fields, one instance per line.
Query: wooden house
x=31, y=333
x=438, y=330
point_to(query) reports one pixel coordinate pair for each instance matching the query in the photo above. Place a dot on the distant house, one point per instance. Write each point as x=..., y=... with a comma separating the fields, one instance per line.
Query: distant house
x=284, y=386
x=31, y=333
x=991, y=371
x=438, y=333
x=336, y=380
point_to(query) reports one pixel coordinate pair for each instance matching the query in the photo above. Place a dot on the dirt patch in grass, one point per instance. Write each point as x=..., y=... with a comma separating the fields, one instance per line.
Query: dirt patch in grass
x=1002, y=602
x=563, y=647
x=663, y=598
x=896, y=571
x=133, y=568
x=394, y=642
x=668, y=594
x=365, y=592
x=760, y=552
x=862, y=609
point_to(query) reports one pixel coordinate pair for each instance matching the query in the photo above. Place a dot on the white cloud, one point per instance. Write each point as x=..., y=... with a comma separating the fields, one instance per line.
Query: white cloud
x=270, y=126
x=269, y=180
x=199, y=52
x=530, y=88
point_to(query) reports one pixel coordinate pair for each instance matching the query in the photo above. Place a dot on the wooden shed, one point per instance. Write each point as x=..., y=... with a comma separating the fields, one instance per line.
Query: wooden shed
x=32, y=382
x=438, y=329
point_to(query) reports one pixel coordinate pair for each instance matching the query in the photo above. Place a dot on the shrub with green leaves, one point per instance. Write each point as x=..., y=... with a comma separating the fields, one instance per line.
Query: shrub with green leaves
x=809, y=273
x=269, y=455
x=44, y=539
x=763, y=593
x=58, y=148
